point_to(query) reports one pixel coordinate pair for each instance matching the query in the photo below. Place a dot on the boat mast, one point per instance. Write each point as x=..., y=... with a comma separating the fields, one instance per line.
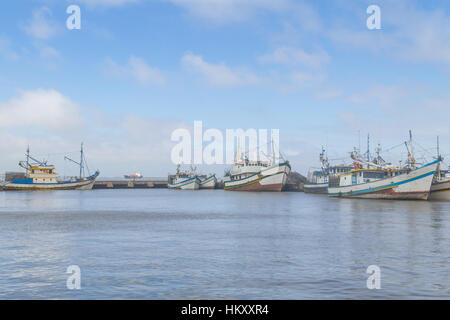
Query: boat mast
x=28, y=160
x=238, y=155
x=438, y=151
x=324, y=161
x=413, y=159
x=273, y=151
x=359, y=141
x=81, y=160
x=368, y=149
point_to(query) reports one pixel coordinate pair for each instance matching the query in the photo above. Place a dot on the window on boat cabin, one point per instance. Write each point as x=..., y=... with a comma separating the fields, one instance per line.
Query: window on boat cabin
x=373, y=175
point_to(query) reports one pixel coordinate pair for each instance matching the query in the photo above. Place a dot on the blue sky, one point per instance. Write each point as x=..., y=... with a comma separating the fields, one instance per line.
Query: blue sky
x=138, y=69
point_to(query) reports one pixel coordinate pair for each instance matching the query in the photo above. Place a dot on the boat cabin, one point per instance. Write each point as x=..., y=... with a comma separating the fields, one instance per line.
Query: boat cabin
x=340, y=169
x=180, y=176
x=43, y=174
x=360, y=176
x=247, y=168
x=318, y=177
x=39, y=174
x=323, y=176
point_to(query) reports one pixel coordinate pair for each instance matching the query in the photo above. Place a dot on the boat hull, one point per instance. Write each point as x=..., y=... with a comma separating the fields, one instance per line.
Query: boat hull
x=440, y=191
x=272, y=180
x=318, y=188
x=414, y=185
x=209, y=183
x=188, y=184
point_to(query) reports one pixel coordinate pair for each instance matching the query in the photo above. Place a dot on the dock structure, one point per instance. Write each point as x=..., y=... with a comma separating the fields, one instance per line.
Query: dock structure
x=146, y=183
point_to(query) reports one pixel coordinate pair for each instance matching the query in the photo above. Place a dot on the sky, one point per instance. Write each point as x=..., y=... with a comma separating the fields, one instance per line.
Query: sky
x=139, y=69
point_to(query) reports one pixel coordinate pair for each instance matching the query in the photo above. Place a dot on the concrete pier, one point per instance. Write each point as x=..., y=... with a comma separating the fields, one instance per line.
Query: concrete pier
x=130, y=184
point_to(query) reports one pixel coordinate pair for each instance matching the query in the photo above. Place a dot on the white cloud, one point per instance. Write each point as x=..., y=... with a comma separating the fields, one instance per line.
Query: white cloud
x=220, y=11
x=326, y=94
x=48, y=52
x=386, y=97
x=408, y=34
x=53, y=126
x=43, y=109
x=219, y=74
x=107, y=3
x=307, y=79
x=296, y=57
x=41, y=26
x=5, y=49
x=135, y=68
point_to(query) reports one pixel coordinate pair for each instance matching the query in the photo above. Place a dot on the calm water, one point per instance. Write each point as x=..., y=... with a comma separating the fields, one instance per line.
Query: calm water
x=166, y=244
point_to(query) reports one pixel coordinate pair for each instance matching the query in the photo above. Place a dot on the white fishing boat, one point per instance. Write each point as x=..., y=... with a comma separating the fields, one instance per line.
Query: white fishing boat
x=184, y=180
x=317, y=182
x=42, y=176
x=207, y=182
x=386, y=184
x=440, y=190
x=257, y=175
x=318, y=179
x=384, y=181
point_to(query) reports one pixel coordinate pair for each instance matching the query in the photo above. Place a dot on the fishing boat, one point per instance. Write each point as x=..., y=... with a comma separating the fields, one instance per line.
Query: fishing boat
x=384, y=181
x=257, y=175
x=318, y=179
x=184, y=180
x=207, y=182
x=440, y=190
x=317, y=182
x=39, y=175
x=249, y=175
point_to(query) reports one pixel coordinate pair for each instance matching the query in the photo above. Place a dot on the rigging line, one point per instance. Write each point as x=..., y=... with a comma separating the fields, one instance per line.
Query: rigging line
x=394, y=147
x=57, y=153
x=87, y=167
x=423, y=149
